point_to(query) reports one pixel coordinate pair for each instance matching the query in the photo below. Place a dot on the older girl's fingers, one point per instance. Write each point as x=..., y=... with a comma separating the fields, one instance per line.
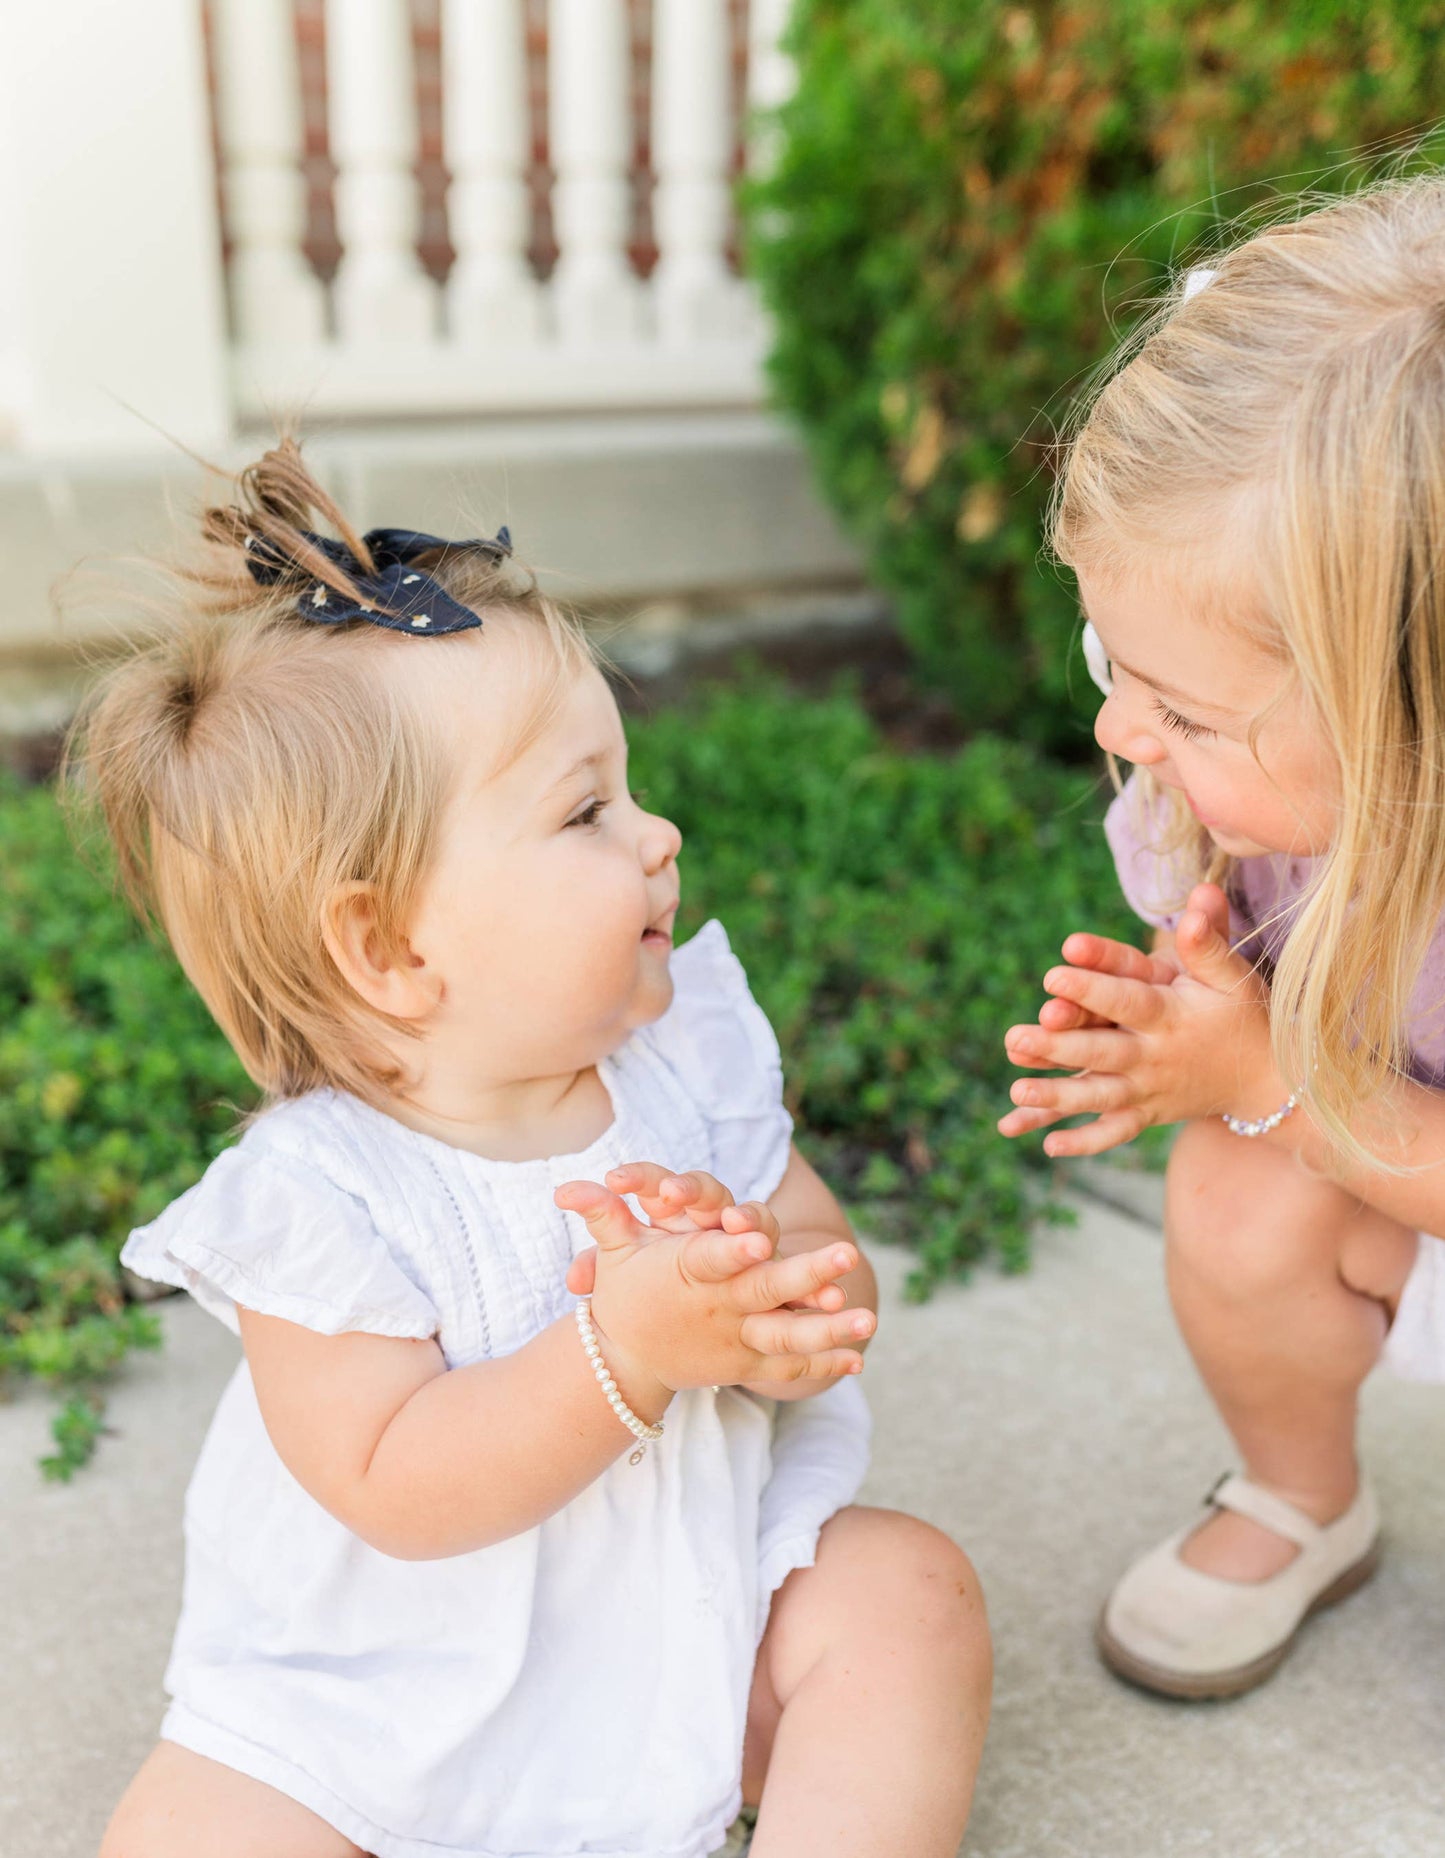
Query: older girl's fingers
x=1133, y=1004
x=1093, y=1138
x=1091, y=1093
x=1033, y=1049
x=1064, y=1016
x=784, y=1280
x=1106, y=956
x=789, y=1332
x=752, y=1216
x=713, y=1257
x=1026, y=1122
x=830, y=1365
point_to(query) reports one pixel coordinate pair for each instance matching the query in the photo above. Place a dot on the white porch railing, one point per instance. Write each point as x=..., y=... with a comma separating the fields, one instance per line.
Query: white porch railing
x=115, y=300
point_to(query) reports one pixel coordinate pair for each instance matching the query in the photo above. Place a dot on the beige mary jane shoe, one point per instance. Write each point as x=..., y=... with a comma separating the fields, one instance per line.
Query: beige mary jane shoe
x=1170, y=1628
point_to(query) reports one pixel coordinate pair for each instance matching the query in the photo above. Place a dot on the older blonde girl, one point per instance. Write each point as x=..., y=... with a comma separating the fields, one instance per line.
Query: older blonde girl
x=1254, y=506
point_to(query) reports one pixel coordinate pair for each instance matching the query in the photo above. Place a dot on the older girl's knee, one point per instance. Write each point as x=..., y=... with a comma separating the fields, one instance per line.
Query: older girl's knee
x=1244, y=1219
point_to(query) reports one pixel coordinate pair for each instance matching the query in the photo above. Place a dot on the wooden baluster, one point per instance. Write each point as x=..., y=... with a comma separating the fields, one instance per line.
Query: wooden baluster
x=492, y=294
x=382, y=293
x=275, y=295
x=696, y=294
x=596, y=295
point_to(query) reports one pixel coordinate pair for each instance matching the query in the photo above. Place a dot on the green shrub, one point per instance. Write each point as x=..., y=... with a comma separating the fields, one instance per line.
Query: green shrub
x=967, y=199
x=115, y=1092
x=894, y=912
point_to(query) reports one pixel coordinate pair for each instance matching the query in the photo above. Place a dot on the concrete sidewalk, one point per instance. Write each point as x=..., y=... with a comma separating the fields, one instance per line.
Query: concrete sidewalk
x=1051, y=1423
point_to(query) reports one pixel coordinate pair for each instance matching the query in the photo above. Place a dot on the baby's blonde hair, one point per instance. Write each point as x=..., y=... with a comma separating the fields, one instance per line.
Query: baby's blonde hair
x=249, y=765
x=1296, y=406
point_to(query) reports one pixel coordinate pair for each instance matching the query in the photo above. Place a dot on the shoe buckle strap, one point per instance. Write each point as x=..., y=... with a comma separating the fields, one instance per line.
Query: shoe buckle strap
x=1233, y=1492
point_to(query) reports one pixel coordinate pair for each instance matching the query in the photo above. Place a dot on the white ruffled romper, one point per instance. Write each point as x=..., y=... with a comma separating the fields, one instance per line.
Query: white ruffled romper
x=581, y=1688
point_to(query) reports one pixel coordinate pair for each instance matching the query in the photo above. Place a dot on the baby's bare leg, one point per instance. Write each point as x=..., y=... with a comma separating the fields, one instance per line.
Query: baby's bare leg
x=871, y=1696
x=181, y=1805
x=1283, y=1285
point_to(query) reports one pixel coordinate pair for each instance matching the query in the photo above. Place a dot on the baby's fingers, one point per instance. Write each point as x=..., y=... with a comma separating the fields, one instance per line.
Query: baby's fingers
x=665, y=1195
x=785, y=1280
x=796, y=1332
x=582, y=1273
x=713, y=1257
x=611, y=1221
x=752, y=1216
x=829, y=1365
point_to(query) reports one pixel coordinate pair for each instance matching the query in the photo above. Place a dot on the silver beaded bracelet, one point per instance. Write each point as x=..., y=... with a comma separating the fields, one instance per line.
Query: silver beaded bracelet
x=1237, y=1125
x=639, y=1428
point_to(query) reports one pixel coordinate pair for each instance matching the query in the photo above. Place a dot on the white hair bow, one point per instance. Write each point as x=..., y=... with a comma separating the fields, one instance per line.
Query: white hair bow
x=1195, y=281
x=1097, y=659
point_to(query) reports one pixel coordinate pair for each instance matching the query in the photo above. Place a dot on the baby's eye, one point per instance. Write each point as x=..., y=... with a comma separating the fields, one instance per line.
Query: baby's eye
x=1171, y=719
x=589, y=815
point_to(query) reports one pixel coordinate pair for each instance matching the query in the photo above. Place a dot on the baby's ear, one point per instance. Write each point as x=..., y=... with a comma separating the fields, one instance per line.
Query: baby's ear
x=382, y=971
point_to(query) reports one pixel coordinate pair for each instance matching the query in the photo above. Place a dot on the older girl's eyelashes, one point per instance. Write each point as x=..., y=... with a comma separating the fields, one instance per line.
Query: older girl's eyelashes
x=1171, y=719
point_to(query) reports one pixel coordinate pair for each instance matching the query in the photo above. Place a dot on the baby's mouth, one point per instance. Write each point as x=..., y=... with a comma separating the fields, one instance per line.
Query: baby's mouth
x=659, y=933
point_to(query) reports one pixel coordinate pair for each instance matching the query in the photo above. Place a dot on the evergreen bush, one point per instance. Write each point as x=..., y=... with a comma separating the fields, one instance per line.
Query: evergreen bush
x=966, y=202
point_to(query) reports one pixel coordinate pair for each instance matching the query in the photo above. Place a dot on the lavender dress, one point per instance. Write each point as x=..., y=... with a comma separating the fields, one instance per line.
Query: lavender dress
x=1268, y=893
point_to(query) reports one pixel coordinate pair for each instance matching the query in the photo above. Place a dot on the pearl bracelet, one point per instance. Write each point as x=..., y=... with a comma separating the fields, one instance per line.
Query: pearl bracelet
x=639, y=1428
x=1238, y=1126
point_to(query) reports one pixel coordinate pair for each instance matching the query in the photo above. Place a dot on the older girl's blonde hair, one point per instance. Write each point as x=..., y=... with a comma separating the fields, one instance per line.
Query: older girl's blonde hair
x=249, y=765
x=1291, y=417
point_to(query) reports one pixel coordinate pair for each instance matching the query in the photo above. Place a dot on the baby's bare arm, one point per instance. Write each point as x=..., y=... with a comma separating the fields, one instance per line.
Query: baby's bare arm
x=423, y=1461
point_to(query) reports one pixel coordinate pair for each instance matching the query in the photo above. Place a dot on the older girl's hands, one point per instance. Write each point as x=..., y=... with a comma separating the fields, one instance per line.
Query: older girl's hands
x=1148, y=1040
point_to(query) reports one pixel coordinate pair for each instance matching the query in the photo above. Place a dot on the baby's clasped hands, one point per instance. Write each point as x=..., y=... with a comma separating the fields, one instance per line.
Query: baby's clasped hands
x=697, y=1296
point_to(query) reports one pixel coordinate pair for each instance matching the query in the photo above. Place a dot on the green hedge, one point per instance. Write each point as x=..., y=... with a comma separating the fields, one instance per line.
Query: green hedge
x=115, y=1092
x=967, y=200
x=894, y=912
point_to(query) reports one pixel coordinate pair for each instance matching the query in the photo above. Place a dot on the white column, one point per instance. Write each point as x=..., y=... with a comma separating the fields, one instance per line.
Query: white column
x=692, y=134
x=275, y=295
x=597, y=296
x=771, y=74
x=492, y=295
x=382, y=292
x=115, y=314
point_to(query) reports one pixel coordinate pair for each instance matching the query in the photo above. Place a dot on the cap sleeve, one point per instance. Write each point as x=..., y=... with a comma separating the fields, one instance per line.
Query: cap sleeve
x=1155, y=881
x=1151, y=881
x=717, y=1040
x=263, y=1230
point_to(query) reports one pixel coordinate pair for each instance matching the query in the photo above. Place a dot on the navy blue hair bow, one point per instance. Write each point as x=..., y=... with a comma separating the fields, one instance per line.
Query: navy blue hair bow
x=398, y=596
